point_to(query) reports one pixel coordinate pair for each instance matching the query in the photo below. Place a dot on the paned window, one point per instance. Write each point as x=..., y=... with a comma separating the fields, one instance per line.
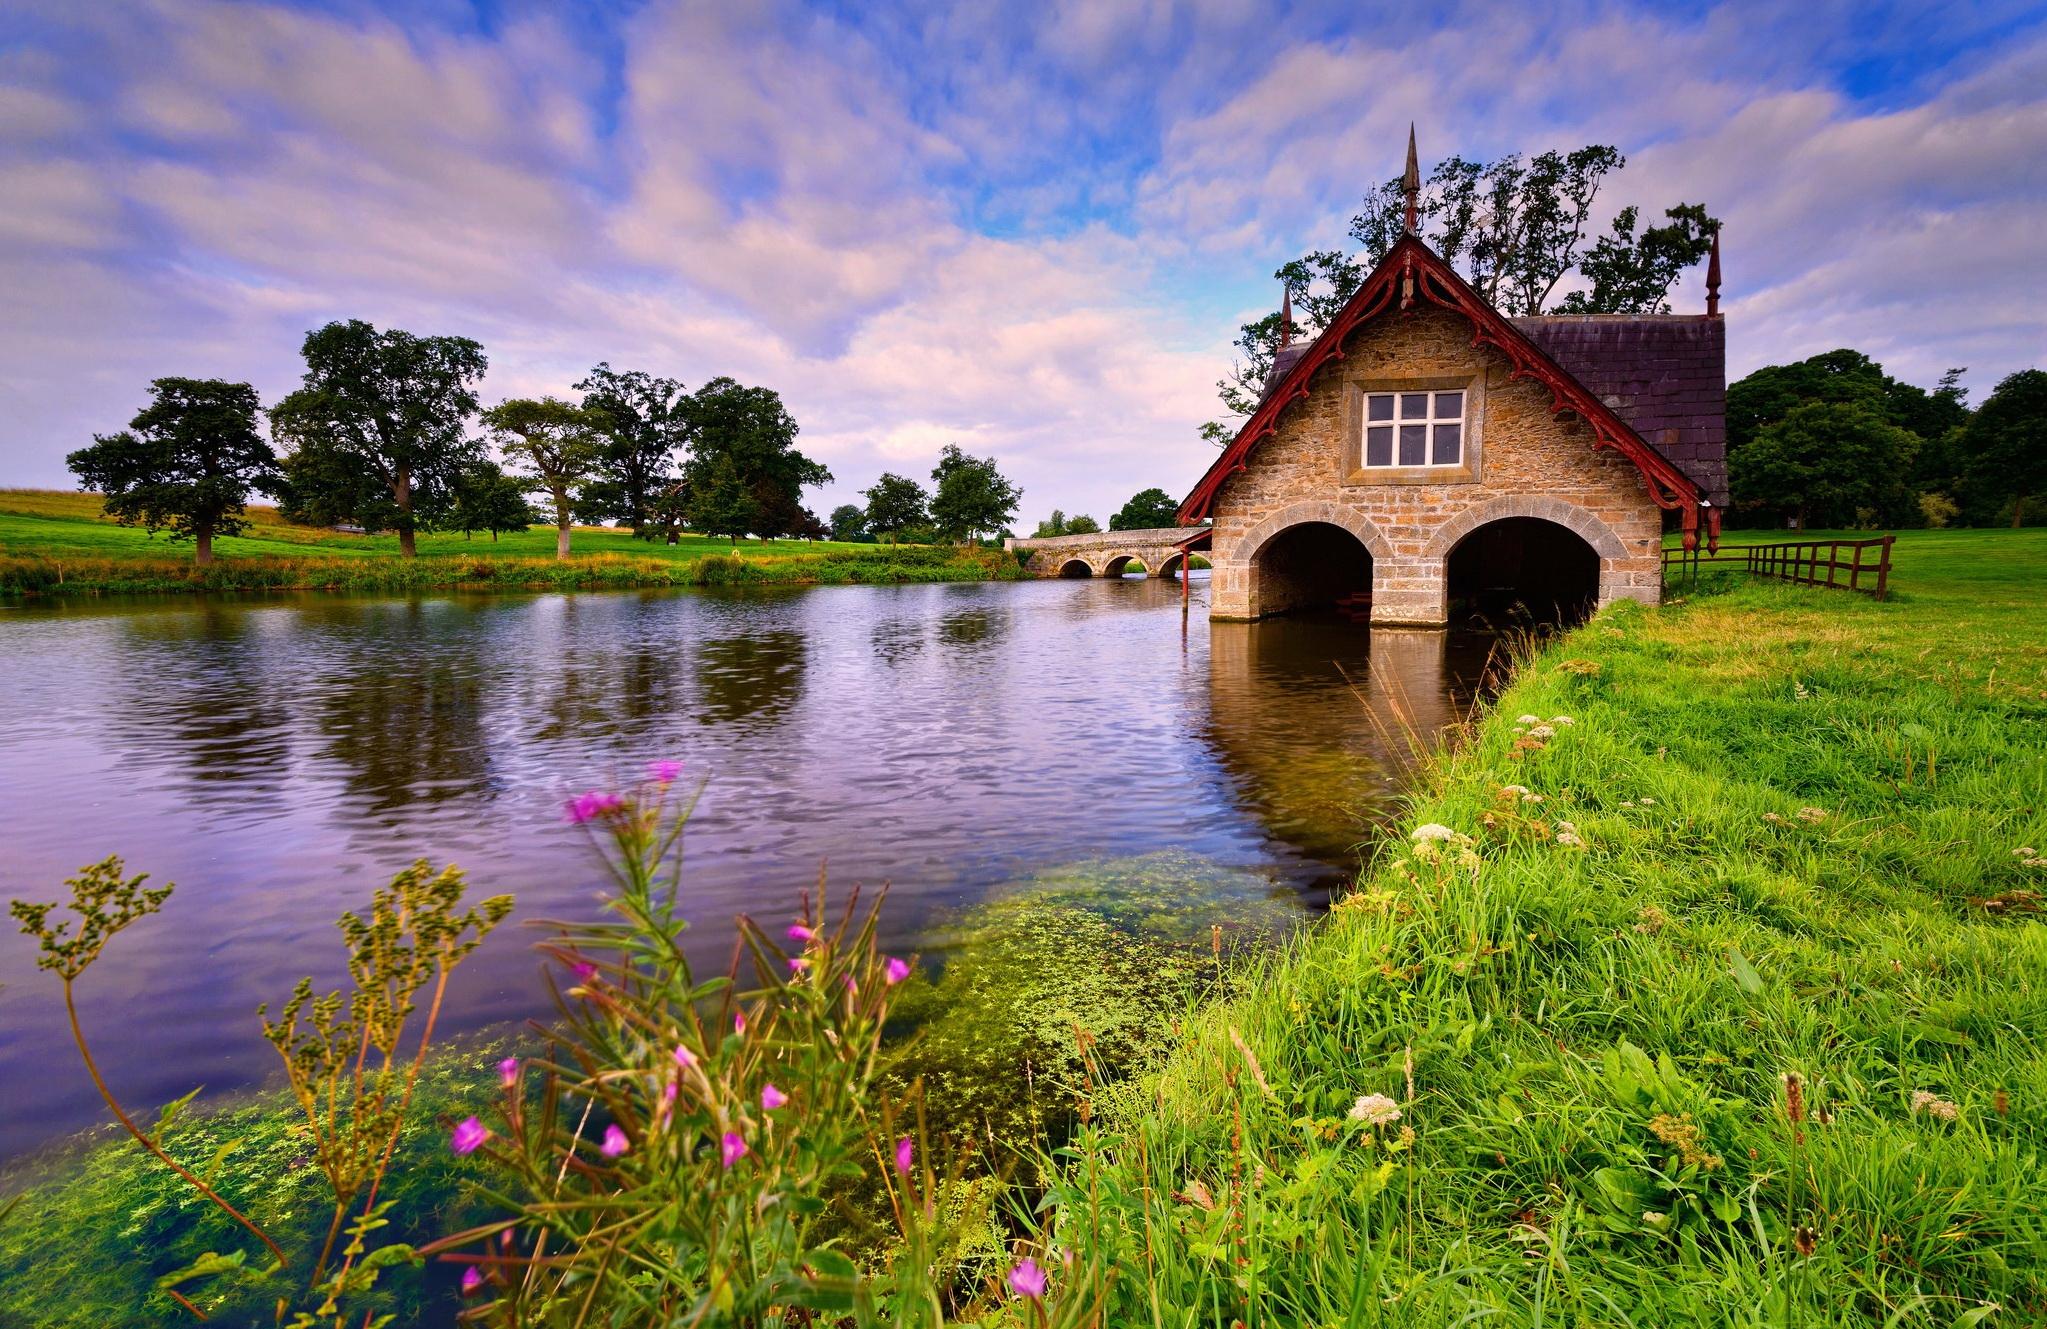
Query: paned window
x=1414, y=429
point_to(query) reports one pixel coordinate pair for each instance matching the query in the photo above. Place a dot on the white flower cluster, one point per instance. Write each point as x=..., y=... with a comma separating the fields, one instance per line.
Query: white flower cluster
x=1375, y=1110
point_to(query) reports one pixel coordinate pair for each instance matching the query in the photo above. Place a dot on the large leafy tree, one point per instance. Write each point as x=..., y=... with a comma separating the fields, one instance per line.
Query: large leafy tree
x=2004, y=446
x=896, y=503
x=971, y=495
x=645, y=429
x=1082, y=524
x=379, y=432
x=559, y=446
x=1148, y=509
x=1515, y=227
x=1831, y=462
x=849, y=523
x=1848, y=377
x=486, y=499
x=744, y=472
x=186, y=463
x=1052, y=525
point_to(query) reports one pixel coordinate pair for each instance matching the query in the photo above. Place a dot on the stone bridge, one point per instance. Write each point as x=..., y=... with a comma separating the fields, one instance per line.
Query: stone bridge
x=1107, y=553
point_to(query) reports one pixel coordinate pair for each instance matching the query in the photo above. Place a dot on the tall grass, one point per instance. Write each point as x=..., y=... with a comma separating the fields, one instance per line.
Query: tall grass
x=1708, y=988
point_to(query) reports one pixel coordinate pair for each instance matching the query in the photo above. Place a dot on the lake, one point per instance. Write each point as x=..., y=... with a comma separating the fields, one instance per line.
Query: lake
x=279, y=757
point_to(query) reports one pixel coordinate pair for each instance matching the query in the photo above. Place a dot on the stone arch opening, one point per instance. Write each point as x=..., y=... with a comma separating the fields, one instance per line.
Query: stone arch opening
x=1522, y=570
x=1123, y=564
x=1073, y=569
x=1309, y=566
x=1172, y=566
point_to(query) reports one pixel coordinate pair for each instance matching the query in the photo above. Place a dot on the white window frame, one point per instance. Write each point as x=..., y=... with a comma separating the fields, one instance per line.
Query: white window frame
x=1397, y=421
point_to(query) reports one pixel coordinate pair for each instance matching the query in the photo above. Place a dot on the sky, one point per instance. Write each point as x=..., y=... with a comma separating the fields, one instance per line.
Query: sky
x=1031, y=229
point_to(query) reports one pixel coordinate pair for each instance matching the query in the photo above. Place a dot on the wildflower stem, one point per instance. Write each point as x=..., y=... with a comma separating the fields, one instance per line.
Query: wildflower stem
x=114, y=1106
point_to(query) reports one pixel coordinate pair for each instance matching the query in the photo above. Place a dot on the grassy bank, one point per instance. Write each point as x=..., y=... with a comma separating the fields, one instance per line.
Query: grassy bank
x=55, y=543
x=1784, y=833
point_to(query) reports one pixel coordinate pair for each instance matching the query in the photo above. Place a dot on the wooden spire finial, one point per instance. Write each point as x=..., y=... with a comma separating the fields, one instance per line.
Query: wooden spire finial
x=1411, y=183
x=1713, y=276
x=1286, y=315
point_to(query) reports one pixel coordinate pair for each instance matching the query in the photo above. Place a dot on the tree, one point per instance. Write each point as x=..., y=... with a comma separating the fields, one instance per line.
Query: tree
x=849, y=523
x=2004, y=445
x=744, y=437
x=1824, y=460
x=1148, y=509
x=559, y=443
x=721, y=502
x=1848, y=377
x=486, y=499
x=645, y=427
x=1051, y=526
x=1082, y=524
x=186, y=463
x=895, y=504
x=1516, y=230
x=382, y=422
x=971, y=495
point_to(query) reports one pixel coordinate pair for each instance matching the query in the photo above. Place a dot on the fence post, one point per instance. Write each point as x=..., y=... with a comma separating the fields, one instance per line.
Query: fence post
x=1883, y=568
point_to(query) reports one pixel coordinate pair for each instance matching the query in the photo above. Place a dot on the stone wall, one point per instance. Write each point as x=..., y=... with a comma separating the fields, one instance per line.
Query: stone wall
x=1520, y=462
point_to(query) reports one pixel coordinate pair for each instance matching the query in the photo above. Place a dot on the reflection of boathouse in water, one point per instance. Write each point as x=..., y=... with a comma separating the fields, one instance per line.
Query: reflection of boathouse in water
x=1430, y=457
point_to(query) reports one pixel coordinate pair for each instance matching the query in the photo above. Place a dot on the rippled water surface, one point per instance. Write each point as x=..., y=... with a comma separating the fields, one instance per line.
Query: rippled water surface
x=277, y=758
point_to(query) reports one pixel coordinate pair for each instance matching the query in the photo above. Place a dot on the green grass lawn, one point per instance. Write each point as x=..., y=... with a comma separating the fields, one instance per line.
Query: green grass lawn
x=57, y=542
x=57, y=524
x=1719, y=1000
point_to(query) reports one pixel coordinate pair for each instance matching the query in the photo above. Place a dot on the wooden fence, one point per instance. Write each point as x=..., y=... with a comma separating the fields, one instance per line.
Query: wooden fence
x=1806, y=562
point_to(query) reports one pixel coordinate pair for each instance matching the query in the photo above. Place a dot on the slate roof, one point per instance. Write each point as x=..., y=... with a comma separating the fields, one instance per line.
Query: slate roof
x=1665, y=375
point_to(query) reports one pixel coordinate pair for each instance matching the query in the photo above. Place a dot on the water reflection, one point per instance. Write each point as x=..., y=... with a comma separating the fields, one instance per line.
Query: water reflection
x=279, y=757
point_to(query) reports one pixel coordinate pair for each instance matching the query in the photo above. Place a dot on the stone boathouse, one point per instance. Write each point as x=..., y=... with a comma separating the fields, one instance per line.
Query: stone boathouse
x=1429, y=457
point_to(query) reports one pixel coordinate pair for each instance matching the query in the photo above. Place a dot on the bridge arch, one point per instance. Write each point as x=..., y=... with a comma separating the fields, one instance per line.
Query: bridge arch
x=1073, y=569
x=1119, y=563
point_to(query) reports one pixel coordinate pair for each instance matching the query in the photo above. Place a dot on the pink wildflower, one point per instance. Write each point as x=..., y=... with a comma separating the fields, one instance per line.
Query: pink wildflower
x=584, y=970
x=668, y=1093
x=468, y=1135
x=664, y=772
x=731, y=1148
x=797, y=964
x=684, y=1057
x=897, y=970
x=1027, y=1280
x=798, y=932
x=739, y=1023
x=906, y=1153
x=472, y=1281
x=772, y=1098
x=588, y=807
x=508, y=1071
x=615, y=1142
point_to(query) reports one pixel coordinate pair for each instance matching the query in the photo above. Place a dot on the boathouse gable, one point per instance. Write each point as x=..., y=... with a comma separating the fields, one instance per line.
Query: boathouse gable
x=1515, y=458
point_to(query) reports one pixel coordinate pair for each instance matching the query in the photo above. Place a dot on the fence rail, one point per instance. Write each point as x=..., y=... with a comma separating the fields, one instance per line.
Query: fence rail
x=1802, y=562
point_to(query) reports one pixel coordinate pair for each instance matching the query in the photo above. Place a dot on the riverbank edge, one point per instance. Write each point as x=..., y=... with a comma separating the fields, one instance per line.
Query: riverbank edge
x=34, y=577
x=1633, y=960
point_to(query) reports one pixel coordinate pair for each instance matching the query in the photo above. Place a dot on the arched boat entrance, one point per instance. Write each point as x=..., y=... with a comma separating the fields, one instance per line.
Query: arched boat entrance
x=1075, y=568
x=1522, y=570
x=1310, y=566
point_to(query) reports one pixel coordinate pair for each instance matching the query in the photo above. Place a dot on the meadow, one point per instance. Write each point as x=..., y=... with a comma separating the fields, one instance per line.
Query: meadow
x=54, y=542
x=1703, y=984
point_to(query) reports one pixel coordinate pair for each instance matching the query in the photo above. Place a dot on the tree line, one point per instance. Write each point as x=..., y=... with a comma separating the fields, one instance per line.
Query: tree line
x=1834, y=441
x=381, y=436
x=969, y=499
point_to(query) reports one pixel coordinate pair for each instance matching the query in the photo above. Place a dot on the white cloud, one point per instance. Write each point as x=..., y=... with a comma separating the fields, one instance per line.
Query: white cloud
x=801, y=201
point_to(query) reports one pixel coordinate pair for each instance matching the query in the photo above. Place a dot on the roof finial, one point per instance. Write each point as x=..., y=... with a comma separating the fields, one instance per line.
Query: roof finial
x=1713, y=275
x=1411, y=183
x=1286, y=315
